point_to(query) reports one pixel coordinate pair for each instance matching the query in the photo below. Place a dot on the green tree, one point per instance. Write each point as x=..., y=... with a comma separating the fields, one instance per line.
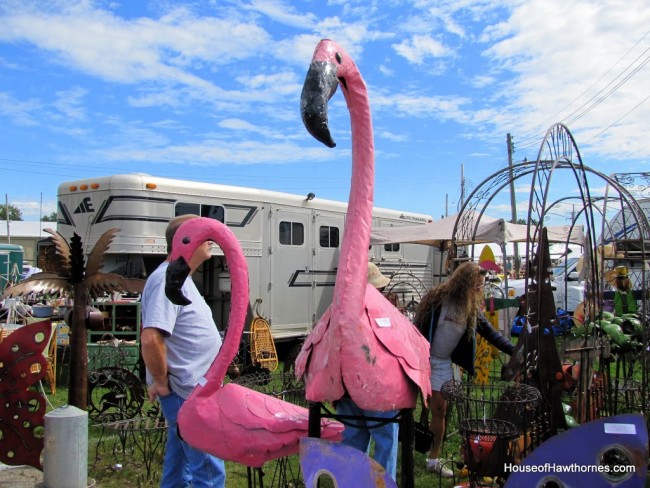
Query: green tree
x=49, y=218
x=524, y=221
x=14, y=212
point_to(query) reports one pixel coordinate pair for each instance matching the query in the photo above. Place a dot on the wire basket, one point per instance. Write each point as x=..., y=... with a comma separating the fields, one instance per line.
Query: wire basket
x=494, y=420
x=280, y=385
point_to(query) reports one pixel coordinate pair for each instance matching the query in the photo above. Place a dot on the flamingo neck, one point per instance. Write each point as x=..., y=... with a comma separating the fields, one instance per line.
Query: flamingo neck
x=238, y=308
x=353, y=262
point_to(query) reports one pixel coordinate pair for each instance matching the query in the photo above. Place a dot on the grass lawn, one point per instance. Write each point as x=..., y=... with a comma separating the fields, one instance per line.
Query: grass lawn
x=116, y=457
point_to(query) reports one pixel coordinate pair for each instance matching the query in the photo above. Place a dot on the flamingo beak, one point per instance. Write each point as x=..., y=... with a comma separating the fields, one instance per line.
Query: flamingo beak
x=320, y=84
x=177, y=272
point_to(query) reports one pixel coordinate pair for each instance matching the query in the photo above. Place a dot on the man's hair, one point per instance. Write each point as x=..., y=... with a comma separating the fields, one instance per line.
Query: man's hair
x=173, y=226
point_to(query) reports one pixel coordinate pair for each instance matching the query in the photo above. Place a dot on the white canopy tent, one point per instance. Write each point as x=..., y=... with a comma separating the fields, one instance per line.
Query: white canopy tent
x=439, y=233
x=490, y=230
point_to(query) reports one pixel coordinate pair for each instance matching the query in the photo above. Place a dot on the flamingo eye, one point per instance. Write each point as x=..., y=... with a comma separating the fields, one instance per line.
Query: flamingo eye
x=339, y=58
x=186, y=240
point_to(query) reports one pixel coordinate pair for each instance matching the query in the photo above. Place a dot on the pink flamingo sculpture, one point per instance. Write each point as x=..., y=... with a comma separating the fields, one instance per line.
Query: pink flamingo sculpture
x=229, y=421
x=362, y=343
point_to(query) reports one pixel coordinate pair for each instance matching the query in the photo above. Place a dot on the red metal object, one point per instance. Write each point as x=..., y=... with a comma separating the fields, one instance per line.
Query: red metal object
x=22, y=411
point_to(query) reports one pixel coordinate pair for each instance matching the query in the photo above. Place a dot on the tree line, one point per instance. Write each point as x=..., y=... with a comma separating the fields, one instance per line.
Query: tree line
x=16, y=214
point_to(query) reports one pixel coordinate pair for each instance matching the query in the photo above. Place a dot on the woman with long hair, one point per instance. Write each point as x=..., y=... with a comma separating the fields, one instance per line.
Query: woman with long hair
x=451, y=315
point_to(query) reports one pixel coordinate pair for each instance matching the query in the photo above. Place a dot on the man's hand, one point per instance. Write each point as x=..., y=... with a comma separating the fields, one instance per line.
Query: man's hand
x=158, y=388
x=154, y=354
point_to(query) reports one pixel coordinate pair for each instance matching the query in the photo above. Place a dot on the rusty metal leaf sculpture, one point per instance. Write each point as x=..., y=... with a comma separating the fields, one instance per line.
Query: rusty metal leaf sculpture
x=96, y=258
x=22, y=411
x=38, y=283
x=61, y=282
x=79, y=281
x=62, y=256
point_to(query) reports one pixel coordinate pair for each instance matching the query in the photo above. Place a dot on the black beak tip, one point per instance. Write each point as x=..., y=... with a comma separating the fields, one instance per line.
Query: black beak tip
x=177, y=272
x=176, y=296
x=316, y=125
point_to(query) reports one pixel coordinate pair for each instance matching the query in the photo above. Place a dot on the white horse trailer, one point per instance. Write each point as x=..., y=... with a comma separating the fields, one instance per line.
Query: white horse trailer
x=291, y=242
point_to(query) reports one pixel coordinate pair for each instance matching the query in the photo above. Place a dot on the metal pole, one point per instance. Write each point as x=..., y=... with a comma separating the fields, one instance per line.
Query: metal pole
x=513, y=204
x=7, y=216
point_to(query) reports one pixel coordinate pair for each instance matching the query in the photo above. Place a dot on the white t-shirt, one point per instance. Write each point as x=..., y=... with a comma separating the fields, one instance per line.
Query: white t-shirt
x=191, y=336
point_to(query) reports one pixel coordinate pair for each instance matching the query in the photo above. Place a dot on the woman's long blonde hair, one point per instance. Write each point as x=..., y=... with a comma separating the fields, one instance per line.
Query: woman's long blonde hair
x=459, y=290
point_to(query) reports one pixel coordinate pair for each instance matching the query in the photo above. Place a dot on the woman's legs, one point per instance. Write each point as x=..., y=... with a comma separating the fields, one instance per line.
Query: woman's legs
x=438, y=407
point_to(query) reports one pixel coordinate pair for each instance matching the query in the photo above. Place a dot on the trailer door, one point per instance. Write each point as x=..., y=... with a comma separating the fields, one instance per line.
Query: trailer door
x=291, y=282
x=328, y=233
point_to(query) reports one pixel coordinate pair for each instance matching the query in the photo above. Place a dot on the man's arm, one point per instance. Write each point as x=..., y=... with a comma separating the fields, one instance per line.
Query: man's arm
x=154, y=354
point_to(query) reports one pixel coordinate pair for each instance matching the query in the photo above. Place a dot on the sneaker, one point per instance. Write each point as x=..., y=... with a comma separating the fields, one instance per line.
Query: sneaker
x=435, y=466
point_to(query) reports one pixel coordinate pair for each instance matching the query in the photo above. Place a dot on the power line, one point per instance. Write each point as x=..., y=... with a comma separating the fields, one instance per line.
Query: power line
x=609, y=92
x=595, y=82
x=619, y=119
x=538, y=136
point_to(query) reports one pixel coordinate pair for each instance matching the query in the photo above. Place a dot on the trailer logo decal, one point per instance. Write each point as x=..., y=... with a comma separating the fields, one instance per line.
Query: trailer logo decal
x=86, y=206
x=300, y=277
x=103, y=215
x=66, y=218
x=250, y=213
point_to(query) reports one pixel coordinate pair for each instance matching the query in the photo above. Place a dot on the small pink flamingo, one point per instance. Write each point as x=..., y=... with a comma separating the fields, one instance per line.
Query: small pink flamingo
x=362, y=343
x=229, y=421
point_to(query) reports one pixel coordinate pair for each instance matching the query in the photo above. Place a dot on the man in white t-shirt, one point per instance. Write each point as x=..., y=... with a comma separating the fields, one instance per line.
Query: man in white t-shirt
x=179, y=344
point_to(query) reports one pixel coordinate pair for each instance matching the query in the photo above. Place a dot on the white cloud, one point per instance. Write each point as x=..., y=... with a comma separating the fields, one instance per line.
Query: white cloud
x=19, y=112
x=391, y=136
x=143, y=49
x=385, y=70
x=418, y=48
x=69, y=103
x=568, y=71
x=218, y=152
x=283, y=12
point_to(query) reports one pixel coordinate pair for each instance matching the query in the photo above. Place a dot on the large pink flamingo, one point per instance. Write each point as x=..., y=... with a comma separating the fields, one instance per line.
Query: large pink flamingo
x=229, y=421
x=362, y=343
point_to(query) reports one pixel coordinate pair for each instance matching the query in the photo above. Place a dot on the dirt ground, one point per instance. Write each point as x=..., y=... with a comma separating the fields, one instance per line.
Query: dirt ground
x=19, y=476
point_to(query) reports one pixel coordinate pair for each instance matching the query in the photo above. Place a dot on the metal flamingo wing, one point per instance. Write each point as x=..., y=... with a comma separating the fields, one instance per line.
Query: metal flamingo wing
x=253, y=427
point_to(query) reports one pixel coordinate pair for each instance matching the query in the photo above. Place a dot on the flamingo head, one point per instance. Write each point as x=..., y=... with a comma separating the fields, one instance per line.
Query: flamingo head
x=187, y=239
x=326, y=70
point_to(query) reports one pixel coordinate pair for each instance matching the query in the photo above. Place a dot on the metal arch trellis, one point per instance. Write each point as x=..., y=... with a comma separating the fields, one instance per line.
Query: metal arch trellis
x=635, y=232
x=637, y=184
x=557, y=152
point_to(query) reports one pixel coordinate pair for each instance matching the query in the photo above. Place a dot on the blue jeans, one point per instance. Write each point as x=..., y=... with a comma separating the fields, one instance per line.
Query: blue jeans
x=385, y=437
x=185, y=466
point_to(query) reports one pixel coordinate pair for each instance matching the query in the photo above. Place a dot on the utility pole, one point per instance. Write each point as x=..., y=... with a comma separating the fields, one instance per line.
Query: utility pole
x=513, y=203
x=7, y=215
x=462, y=187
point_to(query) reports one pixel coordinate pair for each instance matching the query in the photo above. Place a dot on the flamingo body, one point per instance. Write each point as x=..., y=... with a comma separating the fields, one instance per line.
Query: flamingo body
x=232, y=422
x=362, y=344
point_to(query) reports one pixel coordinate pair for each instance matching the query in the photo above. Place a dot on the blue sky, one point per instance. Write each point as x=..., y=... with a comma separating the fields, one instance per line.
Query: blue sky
x=209, y=91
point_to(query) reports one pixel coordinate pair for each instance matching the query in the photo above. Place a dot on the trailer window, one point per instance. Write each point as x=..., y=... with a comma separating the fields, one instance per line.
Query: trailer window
x=329, y=236
x=216, y=212
x=292, y=233
x=391, y=247
x=187, y=208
